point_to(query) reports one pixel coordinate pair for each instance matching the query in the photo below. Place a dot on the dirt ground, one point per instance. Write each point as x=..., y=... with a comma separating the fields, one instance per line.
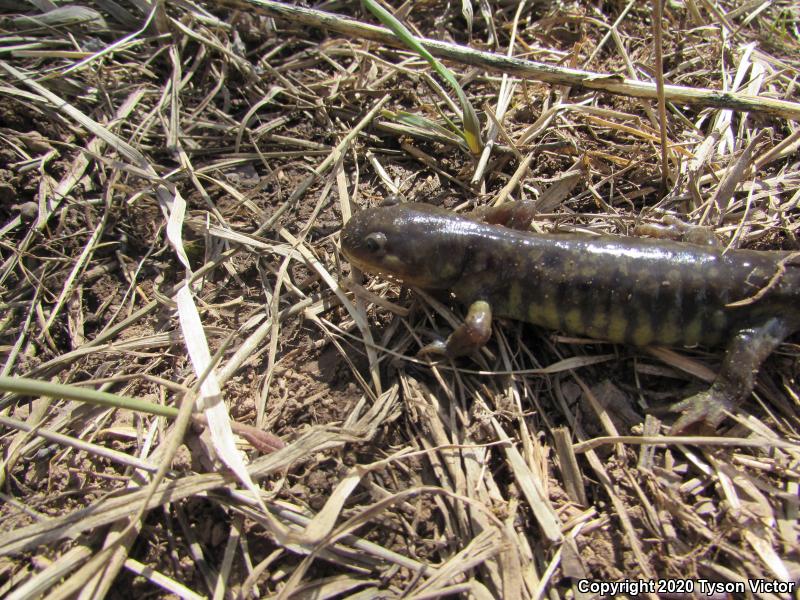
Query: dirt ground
x=173, y=183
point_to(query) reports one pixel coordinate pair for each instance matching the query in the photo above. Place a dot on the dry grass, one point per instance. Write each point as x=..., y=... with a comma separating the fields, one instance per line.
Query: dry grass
x=172, y=185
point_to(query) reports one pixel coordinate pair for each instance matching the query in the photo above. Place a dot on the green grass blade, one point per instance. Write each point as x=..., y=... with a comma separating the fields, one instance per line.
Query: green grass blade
x=472, y=127
x=34, y=387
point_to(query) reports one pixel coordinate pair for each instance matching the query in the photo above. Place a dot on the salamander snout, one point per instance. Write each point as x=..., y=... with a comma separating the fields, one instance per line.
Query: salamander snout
x=369, y=241
x=394, y=240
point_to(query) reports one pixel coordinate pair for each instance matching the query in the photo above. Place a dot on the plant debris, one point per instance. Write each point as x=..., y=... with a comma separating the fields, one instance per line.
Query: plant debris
x=173, y=180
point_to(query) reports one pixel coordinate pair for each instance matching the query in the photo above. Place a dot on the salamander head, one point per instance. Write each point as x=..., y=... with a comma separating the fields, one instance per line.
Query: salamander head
x=408, y=241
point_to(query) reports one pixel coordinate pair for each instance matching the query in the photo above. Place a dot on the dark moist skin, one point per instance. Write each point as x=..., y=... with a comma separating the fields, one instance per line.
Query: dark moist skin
x=627, y=290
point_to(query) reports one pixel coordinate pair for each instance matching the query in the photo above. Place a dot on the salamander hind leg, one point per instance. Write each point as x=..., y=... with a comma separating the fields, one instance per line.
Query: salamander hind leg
x=473, y=333
x=744, y=355
x=675, y=229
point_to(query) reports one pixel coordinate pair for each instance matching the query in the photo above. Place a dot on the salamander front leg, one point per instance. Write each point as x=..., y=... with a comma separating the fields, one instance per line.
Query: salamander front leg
x=514, y=215
x=473, y=333
x=744, y=355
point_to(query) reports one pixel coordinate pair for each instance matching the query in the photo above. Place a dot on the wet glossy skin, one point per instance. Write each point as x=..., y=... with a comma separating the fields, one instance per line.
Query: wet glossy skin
x=629, y=290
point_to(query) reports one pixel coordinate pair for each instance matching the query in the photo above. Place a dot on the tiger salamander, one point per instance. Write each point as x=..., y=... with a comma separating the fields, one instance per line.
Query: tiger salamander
x=627, y=290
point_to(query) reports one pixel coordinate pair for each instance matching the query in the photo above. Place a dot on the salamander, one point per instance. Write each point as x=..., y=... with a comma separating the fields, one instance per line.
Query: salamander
x=635, y=291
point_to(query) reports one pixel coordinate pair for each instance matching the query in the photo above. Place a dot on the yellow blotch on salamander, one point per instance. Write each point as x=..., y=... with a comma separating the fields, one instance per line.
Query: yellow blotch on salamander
x=599, y=325
x=617, y=324
x=545, y=314
x=573, y=320
x=448, y=269
x=643, y=334
x=668, y=332
x=693, y=333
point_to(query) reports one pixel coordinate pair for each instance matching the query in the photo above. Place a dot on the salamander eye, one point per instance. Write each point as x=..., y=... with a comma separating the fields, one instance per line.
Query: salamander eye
x=375, y=242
